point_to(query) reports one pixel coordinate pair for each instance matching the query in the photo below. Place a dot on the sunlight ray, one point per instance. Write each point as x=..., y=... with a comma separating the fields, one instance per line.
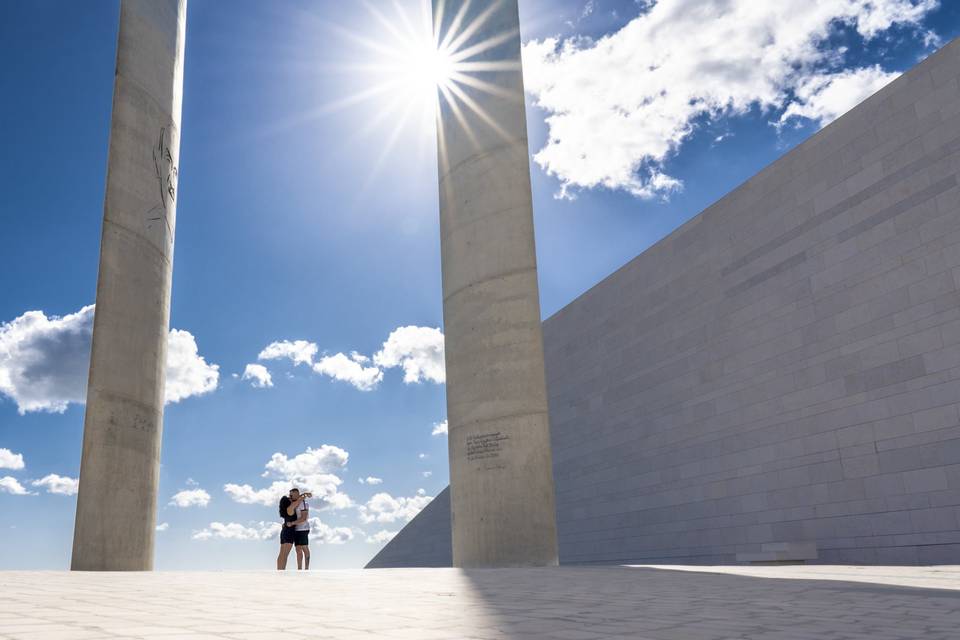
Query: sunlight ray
x=368, y=43
x=385, y=22
x=486, y=66
x=461, y=118
x=480, y=47
x=388, y=146
x=475, y=25
x=385, y=112
x=411, y=33
x=301, y=119
x=361, y=96
x=426, y=22
x=480, y=112
x=438, y=21
x=486, y=87
x=454, y=26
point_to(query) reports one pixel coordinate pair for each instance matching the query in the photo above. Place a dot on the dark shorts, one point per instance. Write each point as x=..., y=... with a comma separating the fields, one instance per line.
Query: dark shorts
x=302, y=538
x=287, y=535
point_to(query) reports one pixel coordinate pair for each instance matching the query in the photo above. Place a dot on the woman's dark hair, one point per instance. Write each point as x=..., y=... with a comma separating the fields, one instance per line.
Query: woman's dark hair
x=284, y=503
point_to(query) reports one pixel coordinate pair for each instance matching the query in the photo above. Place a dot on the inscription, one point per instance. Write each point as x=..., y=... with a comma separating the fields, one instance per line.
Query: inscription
x=485, y=446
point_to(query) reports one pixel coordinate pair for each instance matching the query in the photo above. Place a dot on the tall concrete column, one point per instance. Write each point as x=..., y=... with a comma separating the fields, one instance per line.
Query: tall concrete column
x=501, y=476
x=119, y=470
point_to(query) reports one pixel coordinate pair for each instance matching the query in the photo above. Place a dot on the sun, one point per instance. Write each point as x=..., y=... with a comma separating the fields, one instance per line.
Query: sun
x=425, y=67
x=412, y=58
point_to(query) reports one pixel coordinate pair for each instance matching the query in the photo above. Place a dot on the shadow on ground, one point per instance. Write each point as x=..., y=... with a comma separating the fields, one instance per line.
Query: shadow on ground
x=653, y=604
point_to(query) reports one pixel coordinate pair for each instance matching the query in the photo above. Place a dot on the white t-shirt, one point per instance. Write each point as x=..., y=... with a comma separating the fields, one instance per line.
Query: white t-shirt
x=303, y=506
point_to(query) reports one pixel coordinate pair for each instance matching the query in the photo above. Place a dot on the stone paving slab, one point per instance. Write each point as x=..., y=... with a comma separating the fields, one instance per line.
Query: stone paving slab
x=567, y=603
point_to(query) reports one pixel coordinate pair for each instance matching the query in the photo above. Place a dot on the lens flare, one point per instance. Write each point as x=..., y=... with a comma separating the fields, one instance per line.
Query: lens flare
x=407, y=59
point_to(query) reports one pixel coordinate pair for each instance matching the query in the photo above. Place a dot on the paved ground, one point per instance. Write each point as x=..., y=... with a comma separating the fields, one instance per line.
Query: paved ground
x=639, y=603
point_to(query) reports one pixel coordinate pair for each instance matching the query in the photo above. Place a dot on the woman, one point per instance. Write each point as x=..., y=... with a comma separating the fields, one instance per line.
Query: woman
x=287, y=532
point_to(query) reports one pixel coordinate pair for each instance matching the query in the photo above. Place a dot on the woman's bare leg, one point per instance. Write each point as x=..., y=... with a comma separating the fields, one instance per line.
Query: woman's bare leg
x=282, y=558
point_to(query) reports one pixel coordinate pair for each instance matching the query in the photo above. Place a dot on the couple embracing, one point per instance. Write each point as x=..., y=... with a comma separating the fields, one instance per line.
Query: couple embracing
x=296, y=529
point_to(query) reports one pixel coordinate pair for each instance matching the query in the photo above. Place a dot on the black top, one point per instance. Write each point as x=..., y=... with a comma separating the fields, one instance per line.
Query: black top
x=284, y=503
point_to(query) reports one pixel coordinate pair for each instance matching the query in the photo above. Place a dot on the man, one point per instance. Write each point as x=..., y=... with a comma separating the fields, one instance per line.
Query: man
x=301, y=527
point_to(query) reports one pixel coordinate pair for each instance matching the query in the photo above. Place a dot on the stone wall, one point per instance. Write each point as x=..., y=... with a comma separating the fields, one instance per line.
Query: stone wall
x=785, y=367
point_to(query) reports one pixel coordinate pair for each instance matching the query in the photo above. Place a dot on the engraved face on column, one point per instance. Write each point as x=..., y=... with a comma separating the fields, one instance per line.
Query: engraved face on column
x=167, y=177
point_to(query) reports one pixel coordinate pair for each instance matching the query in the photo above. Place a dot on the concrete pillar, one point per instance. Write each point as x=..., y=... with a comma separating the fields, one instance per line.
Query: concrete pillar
x=119, y=470
x=501, y=476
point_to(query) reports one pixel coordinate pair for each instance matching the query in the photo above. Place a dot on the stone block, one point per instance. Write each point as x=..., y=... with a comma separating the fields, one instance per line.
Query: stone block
x=924, y=480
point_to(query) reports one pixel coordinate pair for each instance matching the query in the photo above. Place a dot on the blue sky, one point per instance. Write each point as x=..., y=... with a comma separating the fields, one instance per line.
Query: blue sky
x=304, y=215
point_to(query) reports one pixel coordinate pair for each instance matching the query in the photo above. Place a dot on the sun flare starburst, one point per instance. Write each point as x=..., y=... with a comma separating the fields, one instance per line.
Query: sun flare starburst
x=413, y=62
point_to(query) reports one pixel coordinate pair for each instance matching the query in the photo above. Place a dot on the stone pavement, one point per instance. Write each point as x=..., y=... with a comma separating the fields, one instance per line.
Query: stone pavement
x=569, y=603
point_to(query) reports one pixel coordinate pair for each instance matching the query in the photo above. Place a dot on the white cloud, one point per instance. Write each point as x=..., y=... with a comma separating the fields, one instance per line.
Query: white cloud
x=60, y=485
x=235, y=531
x=824, y=98
x=350, y=369
x=163, y=526
x=322, y=533
x=325, y=459
x=268, y=496
x=381, y=537
x=44, y=362
x=190, y=498
x=385, y=508
x=313, y=470
x=9, y=484
x=418, y=350
x=422, y=456
x=297, y=351
x=371, y=480
x=439, y=429
x=188, y=374
x=427, y=474
x=258, y=375
x=619, y=107
x=10, y=460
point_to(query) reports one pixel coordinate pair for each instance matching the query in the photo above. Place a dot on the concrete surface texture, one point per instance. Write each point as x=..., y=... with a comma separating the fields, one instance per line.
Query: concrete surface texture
x=783, y=368
x=556, y=603
x=116, y=506
x=500, y=467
